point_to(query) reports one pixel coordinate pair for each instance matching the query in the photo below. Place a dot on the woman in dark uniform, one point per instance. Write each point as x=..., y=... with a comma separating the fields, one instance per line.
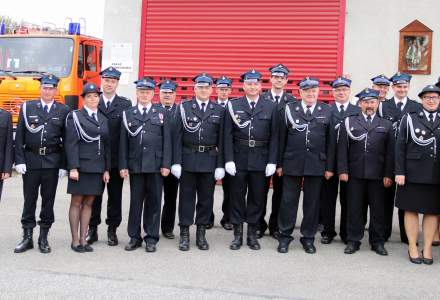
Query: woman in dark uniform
x=418, y=172
x=88, y=160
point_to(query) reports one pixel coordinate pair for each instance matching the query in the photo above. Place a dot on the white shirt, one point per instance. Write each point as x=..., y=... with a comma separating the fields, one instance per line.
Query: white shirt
x=273, y=96
x=200, y=104
x=221, y=102
x=141, y=108
x=304, y=106
x=434, y=114
x=345, y=105
x=108, y=102
x=366, y=116
x=249, y=101
x=90, y=112
x=49, y=105
x=404, y=100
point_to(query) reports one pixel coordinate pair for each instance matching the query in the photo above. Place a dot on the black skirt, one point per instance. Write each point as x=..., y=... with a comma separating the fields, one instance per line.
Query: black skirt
x=419, y=197
x=88, y=184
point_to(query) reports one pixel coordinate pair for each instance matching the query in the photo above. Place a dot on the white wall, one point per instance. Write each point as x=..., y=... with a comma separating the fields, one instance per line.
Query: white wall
x=372, y=39
x=122, y=24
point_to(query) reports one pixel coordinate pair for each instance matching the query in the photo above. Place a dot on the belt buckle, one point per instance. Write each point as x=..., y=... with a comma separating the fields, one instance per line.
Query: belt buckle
x=201, y=149
x=251, y=143
x=42, y=151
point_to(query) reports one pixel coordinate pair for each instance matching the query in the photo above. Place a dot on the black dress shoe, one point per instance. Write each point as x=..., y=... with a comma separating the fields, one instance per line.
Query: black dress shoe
x=227, y=226
x=259, y=233
x=379, y=249
x=435, y=243
x=87, y=248
x=184, y=238
x=92, y=235
x=133, y=244
x=43, y=244
x=251, y=240
x=78, y=248
x=283, y=246
x=168, y=235
x=27, y=242
x=209, y=226
x=326, y=239
x=427, y=261
x=237, y=242
x=112, y=237
x=150, y=247
x=201, y=241
x=308, y=247
x=351, y=248
x=415, y=260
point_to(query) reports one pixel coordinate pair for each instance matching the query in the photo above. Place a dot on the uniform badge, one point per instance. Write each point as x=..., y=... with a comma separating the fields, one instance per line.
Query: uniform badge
x=135, y=111
x=417, y=130
x=194, y=105
x=351, y=128
x=423, y=132
x=195, y=119
x=33, y=125
x=154, y=110
x=297, y=121
x=129, y=124
x=421, y=114
x=36, y=120
x=210, y=106
x=319, y=108
x=297, y=108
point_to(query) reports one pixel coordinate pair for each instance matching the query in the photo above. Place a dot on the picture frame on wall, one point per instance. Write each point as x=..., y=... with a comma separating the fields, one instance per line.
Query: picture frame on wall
x=415, y=49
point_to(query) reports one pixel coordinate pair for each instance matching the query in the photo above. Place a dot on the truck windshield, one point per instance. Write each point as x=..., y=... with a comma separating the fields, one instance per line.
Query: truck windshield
x=34, y=55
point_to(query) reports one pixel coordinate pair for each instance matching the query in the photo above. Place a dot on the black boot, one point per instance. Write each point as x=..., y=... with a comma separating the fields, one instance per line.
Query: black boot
x=238, y=237
x=27, y=242
x=92, y=235
x=252, y=241
x=201, y=241
x=184, y=238
x=112, y=237
x=43, y=244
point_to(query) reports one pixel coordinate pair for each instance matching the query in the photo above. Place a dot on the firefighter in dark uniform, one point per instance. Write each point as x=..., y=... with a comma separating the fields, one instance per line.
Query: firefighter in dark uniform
x=145, y=155
x=304, y=138
x=341, y=109
x=39, y=157
x=251, y=146
x=87, y=147
x=381, y=83
x=6, y=147
x=418, y=173
x=278, y=95
x=198, y=160
x=394, y=109
x=167, y=96
x=365, y=162
x=223, y=88
x=111, y=106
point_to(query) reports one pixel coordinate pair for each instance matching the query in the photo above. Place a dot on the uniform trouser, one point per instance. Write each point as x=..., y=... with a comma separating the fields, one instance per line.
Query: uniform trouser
x=226, y=204
x=277, y=187
x=114, y=202
x=170, y=187
x=45, y=180
x=359, y=192
x=248, y=189
x=389, y=195
x=329, y=195
x=196, y=188
x=145, y=197
x=289, y=205
x=1, y=189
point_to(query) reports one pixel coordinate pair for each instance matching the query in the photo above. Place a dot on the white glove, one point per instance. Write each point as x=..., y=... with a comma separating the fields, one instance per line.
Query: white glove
x=270, y=169
x=230, y=168
x=62, y=173
x=21, y=168
x=219, y=173
x=176, y=170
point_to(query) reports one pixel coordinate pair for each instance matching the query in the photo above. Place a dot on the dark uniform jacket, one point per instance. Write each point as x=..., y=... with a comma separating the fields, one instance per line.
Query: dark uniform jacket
x=28, y=146
x=262, y=130
x=420, y=164
x=150, y=149
x=390, y=111
x=6, y=142
x=88, y=157
x=303, y=151
x=337, y=120
x=372, y=158
x=186, y=147
x=114, y=116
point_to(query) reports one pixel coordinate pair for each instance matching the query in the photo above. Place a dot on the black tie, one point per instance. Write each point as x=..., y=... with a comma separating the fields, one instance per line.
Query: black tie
x=107, y=105
x=144, y=113
x=168, y=107
x=277, y=99
x=46, y=109
x=308, y=111
x=431, y=118
x=341, y=110
x=203, y=108
x=252, y=105
x=94, y=116
x=399, y=106
x=369, y=120
x=223, y=104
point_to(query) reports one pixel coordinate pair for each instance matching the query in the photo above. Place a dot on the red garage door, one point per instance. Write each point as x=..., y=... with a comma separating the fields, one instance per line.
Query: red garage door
x=182, y=38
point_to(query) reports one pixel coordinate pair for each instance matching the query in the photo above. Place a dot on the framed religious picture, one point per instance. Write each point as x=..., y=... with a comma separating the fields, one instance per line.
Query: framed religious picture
x=415, y=49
